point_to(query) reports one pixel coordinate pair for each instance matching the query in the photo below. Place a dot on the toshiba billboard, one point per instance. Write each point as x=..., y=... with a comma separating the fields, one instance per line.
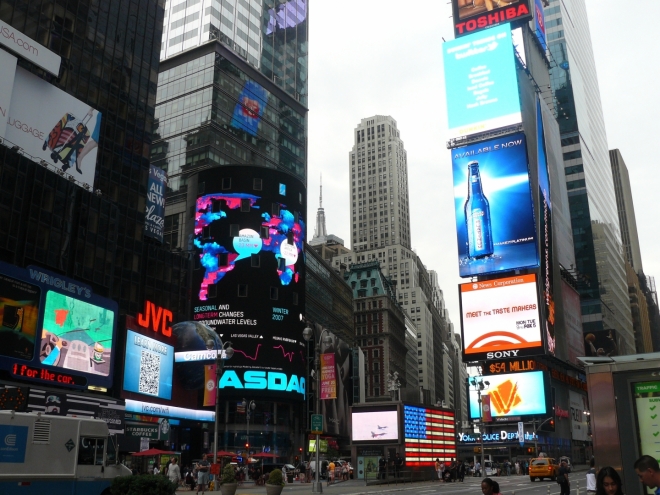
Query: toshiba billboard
x=474, y=15
x=500, y=318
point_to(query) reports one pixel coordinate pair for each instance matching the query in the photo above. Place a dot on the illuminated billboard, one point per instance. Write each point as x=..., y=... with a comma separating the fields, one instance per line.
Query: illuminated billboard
x=500, y=318
x=481, y=84
x=249, y=285
x=539, y=23
x=430, y=434
x=76, y=335
x=148, y=366
x=374, y=426
x=471, y=16
x=54, y=329
x=512, y=395
x=250, y=107
x=494, y=213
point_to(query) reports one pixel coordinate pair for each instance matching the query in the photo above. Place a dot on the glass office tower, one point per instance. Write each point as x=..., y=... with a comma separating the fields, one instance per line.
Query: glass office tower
x=597, y=240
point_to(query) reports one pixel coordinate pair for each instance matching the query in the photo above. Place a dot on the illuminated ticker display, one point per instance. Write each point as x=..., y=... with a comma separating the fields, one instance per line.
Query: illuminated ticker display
x=430, y=434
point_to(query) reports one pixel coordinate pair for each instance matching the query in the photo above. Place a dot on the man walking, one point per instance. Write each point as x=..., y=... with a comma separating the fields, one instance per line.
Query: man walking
x=562, y=479
x=591, y=478
x=648, y=472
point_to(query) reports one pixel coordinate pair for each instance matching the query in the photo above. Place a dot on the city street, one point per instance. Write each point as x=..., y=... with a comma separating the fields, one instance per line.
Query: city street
x=508, y=485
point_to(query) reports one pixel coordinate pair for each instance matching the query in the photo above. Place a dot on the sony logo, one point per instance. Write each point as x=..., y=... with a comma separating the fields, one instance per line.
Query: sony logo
x=501, y=354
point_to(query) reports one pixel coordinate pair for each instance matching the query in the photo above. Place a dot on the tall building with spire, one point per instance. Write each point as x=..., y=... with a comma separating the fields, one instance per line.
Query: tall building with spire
x=320, y=231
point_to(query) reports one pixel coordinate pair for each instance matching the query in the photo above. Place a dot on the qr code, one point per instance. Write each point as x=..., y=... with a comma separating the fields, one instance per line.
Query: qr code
x=149, y=373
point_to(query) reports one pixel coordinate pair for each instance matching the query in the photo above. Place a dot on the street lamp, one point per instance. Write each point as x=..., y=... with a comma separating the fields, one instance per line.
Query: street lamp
x=248, y=407
x=225, y=351
x=480, y=385
x=308, y=334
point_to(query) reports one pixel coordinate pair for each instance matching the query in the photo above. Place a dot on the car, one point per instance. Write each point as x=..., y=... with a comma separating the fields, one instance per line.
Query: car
x=543, y=467
x=568, y=462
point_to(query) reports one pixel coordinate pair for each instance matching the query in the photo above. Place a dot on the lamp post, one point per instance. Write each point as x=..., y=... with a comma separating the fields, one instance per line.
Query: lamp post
x=480, y=385
x=308, y=334
x=225, y=351
x=536, y=436
x=248, y=407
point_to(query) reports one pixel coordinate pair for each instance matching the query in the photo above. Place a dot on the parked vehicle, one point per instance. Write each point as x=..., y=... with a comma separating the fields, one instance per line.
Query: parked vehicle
x=543, y=467
x=55, y=454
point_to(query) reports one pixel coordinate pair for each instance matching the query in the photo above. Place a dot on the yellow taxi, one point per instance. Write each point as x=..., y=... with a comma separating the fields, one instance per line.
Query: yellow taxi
x=543, y=467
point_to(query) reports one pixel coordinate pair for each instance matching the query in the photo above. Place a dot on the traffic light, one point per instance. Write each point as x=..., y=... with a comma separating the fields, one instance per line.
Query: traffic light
x=477, y=450
x=297, y=459
x=247, y=446
x=549, y=425
x=530, y=450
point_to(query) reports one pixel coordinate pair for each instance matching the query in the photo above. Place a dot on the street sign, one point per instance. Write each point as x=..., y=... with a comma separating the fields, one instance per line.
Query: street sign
x=317, y=424
x=521, y=433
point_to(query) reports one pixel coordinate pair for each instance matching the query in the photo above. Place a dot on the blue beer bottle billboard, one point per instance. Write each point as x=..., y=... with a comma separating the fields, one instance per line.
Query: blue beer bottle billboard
x=477, y=216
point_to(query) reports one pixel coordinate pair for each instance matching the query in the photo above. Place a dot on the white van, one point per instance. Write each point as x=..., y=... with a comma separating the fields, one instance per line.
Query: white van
x=41, y=454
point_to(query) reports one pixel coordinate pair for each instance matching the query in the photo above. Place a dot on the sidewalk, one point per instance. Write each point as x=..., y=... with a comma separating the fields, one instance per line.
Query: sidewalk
x=249, y=488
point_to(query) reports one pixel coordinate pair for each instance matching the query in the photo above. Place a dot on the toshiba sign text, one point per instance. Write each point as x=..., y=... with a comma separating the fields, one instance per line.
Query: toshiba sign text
x=500, y=318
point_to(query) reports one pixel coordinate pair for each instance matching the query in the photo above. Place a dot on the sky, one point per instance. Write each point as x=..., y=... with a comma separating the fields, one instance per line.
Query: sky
x=384, y=57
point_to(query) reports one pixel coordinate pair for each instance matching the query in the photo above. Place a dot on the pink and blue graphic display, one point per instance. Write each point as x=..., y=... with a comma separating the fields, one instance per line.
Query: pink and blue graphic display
x=494, y=214
x=285, y=239
x=250, y=107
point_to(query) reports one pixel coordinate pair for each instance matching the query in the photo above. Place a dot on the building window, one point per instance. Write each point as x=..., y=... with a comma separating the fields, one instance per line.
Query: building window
x=212, y=291
x=242, y=290
x=234, y=229
x=245, y=205
x=294, y=297
x=226, y=183
x=265, y=232
x=255, y=260
x=274, y=293
x=257, y=184
x=376, y=353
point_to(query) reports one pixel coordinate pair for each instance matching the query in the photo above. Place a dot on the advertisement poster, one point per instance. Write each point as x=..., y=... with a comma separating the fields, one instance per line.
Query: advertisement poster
x=51, y=125
x=486, y=415
x=375, y=426
x=481, y=84
x=573, y=323
x=647, y=408
x=547, y=276
x=470, y=16
x=515, y=394
x=19, y=310
x=148, y=366
x=495, y=226
x=500, y=315
x=252, y=103
x=579, y=424
x=154, y=219
x=539, y=23
x=8, y=64
x=328, y=376
x=29, y=49
x=209, y=385
x=76, y=335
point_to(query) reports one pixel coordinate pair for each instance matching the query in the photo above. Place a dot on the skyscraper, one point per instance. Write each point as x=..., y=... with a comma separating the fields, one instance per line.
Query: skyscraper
x=380, y=214
x=596, y=233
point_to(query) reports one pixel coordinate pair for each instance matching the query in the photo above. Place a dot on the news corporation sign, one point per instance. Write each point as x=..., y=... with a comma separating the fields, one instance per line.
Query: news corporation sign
x=501, y=436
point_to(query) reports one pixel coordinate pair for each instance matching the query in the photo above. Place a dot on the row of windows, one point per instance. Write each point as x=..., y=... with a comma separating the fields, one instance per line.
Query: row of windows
x=184, y=21
x=184, y=37
x=183, y=5
x=242, y=291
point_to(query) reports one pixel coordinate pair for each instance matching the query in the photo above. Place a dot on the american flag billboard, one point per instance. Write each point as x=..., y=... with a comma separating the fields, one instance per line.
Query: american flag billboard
x=430, y=434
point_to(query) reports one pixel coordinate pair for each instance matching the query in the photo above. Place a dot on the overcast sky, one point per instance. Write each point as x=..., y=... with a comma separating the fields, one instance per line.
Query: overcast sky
x=382, y=57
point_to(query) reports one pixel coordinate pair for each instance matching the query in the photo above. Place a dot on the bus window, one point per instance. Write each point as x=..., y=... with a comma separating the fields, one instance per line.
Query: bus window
x=91, y=451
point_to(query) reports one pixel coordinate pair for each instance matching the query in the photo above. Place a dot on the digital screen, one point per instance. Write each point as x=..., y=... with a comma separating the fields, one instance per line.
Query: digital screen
x=494, y=214
x=286, y=15
x=374, y=426
x=167, y=411
x=154, y=218
x=500, y=318
x=516, y=394
x=76, y=335
x=19, y=313
x=481, y=83
x=250, y=285
x=148, y=366
x=579, y=405
x=429, y=434
x=470, y=16
x=647, y=398
x=250, y=107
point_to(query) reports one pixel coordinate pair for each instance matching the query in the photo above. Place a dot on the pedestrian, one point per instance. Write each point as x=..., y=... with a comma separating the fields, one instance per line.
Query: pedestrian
x=562, y=479
x=591, y=478
x=174, y=472
x=648, y=472
x=477, y=469
x=381, y=468
x=490, y=487
x=331, y=472
x=156, y=470
x=344, y=471
x=608, y=482
x=190, y=478
x=203, y=474
x=284, y=474
x=438, y=468
x=398, y=464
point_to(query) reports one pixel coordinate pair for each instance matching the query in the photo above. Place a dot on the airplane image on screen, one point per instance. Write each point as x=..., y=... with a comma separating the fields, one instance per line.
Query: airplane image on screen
x=382, y=427
x=376, y=435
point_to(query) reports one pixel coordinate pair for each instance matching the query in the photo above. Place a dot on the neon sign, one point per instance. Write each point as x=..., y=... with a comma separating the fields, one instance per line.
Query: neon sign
x=32, y=373
x=263, y=380
x=156, y=318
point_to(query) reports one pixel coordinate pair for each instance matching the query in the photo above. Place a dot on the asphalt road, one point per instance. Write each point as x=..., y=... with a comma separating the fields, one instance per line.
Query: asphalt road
x=509, y=485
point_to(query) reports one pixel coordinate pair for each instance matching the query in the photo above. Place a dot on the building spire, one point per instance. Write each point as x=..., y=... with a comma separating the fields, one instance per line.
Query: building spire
x=319, y=230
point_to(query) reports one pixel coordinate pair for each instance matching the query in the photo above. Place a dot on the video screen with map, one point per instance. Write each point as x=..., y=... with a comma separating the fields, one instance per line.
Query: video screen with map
x=76, y=335
x=19, y=312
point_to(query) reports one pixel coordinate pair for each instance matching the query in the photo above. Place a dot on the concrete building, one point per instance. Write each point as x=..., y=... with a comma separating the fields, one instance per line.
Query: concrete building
x=595, y=224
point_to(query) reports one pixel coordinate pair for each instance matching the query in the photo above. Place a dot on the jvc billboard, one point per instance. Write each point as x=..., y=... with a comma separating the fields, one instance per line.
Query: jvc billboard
x=494, y=215
x=481, y=83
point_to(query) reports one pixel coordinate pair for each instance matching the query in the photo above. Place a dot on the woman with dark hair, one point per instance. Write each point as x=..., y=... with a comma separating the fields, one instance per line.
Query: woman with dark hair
x=490, y=487
x=608, y=482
